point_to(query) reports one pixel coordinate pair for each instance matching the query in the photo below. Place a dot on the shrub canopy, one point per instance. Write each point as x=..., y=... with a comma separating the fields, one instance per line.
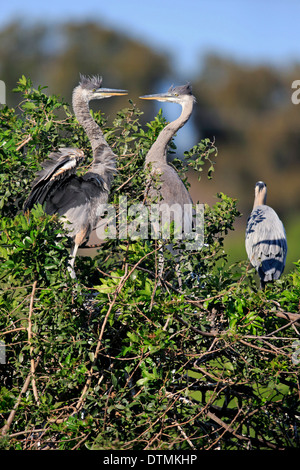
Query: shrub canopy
x=125, y=357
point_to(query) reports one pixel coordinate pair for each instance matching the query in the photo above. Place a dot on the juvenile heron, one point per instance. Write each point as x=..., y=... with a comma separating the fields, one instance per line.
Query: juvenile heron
x=170, y=192
x=265, y=241
x=78, y=198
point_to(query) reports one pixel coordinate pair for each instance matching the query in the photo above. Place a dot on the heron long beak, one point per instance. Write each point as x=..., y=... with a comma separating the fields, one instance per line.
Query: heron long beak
x=107, y=92
x=158, y=97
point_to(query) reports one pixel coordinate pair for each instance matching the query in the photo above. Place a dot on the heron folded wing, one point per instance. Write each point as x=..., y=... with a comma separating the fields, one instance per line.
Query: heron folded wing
x=95, y=179
x=266, y=243
x=59, y=166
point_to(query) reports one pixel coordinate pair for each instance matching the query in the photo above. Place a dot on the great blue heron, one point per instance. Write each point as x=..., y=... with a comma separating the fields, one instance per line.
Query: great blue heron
x=78, y=198
x=169, y=192
x=265, y=241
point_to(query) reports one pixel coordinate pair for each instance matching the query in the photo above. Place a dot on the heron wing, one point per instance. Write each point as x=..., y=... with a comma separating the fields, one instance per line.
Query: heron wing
x=79, y=201
x=266, y=243
x=57, y=168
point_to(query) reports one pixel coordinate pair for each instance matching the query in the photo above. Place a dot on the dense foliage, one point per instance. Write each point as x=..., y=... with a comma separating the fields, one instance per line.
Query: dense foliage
x=126, y=357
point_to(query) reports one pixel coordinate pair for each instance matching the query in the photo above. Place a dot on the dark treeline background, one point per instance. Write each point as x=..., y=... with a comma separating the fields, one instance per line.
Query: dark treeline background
x=246, y=108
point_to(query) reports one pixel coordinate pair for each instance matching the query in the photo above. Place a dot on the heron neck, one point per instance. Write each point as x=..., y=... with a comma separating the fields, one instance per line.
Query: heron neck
x=158, y=151
x=260, y=199
x=104, y=161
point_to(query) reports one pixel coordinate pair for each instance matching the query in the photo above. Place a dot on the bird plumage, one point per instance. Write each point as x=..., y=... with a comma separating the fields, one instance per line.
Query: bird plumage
x=78, y=199
x=90, y=83
x=265, y=240
x=170, y=189
x=59, y=166
x=165, y=188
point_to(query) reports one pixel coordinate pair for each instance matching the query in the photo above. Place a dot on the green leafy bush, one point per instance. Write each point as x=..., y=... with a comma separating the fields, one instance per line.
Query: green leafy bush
x=126, y=357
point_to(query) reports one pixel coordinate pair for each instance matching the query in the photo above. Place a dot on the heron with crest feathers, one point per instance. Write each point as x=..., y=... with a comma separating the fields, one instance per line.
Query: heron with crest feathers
x=169, y=192
x=171, y=189
x=77, y=198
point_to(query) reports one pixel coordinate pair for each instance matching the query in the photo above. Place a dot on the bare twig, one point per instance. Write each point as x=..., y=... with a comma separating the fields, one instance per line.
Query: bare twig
x=123, y=280
x=24, y=142
x=29, y=329
x=15, y=408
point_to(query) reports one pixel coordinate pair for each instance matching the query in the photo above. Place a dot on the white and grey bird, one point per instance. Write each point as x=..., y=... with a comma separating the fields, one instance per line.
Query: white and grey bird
x=265, y=241
x=170, y=190
x=77, y=198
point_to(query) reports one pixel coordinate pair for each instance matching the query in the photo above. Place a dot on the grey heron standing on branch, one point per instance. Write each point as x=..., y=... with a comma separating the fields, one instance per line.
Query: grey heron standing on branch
x=77, y=198
x=265, y=242
x=169, y=192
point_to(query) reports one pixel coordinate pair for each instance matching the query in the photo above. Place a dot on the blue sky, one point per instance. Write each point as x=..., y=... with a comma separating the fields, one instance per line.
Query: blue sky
x=248, y=30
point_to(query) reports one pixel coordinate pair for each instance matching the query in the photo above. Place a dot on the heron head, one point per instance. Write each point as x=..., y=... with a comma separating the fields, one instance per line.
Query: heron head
x=178, y=94
x=260, y=186
x=93, y=90
x=261, y=191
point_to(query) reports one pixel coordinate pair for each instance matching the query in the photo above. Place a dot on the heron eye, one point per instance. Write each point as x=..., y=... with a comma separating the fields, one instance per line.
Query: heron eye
x=94, y=89
x=176, y=94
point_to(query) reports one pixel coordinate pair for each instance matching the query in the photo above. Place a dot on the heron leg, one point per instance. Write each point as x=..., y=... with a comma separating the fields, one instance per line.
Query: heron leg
x=78, y=240
x=262, y=284
x=73, y=253
x=178, y=275
x=177, y=263
x=161, y=262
